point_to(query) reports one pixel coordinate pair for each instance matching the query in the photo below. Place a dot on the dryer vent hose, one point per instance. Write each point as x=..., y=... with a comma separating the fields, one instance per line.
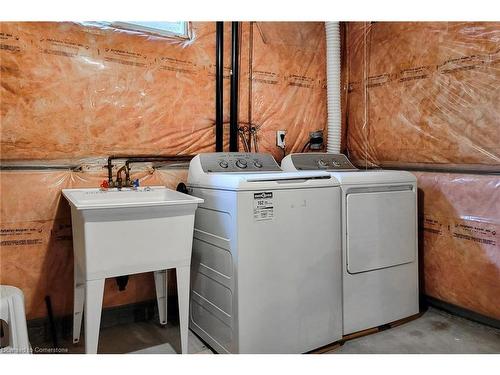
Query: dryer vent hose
x=333, y=85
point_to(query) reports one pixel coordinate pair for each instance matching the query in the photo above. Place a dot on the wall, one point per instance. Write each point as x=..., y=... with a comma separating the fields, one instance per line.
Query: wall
x=459, y=223
x=426, y=96
x=288, y=86
x=73, y=94
x=424, y=93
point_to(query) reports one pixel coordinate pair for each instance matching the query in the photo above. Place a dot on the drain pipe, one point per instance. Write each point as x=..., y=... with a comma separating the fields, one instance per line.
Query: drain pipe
x=333, y=86
x=219, y=86
x=235, y=76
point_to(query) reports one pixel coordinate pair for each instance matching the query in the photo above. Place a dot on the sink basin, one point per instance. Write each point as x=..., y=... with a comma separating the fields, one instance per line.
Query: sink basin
x=113, y=198
x=121, y=232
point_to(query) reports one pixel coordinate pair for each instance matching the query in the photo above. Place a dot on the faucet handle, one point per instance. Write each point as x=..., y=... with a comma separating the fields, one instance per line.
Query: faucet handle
x=104, y=185
x=136, y=183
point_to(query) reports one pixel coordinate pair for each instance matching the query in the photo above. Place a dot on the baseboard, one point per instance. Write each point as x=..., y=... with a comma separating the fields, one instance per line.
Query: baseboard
x=39, y=330
x=462, y=312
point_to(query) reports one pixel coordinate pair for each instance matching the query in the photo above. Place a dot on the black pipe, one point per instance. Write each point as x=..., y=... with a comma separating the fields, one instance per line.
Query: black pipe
x=134, y=160
x=250, y=76
x=219, y=86
x=151, y=158
x=182, y=188
x=235, y=74
x=110, y=170
x=122, y=282
x=52, y=324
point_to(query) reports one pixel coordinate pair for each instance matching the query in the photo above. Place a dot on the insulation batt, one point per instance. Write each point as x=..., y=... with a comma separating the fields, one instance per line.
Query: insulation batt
x=288, y=82
x=425, y=93
x=72, y=91
x=460, y=239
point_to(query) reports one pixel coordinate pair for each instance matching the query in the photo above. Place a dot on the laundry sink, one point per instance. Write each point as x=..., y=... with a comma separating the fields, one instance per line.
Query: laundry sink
x=128, y=231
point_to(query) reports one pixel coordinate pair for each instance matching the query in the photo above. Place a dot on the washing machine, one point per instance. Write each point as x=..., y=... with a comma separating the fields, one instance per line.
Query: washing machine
x=379, y=239
x=266, y=263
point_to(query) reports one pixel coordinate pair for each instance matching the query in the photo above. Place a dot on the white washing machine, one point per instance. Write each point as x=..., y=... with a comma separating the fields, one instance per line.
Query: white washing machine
x=265, y=277
x=379, y=239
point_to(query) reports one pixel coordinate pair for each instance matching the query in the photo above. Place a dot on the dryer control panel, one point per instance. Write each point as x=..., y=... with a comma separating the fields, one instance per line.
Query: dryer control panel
x=322, y=161
x=238, y=162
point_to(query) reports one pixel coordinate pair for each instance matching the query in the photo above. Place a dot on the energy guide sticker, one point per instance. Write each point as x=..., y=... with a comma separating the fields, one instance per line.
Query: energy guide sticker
x=263, y=206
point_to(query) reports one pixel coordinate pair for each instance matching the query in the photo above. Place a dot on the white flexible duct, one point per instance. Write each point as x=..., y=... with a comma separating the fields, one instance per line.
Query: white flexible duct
x=333, y=85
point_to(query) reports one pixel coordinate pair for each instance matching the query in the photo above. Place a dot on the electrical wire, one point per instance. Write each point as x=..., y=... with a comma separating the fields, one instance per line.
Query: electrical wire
x=254, y=134
x=243, y=139
x=308, y=143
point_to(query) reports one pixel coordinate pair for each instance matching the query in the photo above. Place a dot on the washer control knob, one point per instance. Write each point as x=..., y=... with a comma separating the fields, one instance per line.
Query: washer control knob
x=257, y=164
x=223, y=164
x=241, y=163
x=322, y=163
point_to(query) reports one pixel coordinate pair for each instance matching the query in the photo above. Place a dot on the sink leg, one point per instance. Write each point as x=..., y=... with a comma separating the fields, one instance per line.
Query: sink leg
x=161, y=283
x=94, y=291
x=79, y=298
x=183, y=295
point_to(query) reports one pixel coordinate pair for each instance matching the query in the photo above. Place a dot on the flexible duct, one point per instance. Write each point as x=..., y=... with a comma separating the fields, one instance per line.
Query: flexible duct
x=333, y=85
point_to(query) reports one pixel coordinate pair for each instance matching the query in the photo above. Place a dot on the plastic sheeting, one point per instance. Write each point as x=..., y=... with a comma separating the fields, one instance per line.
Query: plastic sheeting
x=286, y=62
x=424, y=93
x=460, y=239
x=36, y=239
x=73, y=91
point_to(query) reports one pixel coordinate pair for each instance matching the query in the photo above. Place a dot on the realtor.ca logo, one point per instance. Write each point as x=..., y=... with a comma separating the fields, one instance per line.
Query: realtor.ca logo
x=263, y=195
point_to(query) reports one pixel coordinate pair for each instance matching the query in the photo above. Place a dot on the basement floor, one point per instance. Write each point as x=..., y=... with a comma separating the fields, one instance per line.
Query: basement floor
x=434, y=332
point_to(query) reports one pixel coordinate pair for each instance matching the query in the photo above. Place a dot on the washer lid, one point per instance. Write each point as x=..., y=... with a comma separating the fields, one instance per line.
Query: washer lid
x=203, y=172
x=259, y=181
x=374, y=176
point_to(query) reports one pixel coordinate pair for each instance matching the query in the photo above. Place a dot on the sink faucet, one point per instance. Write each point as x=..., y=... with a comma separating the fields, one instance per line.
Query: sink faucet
x=136, y=159
x=119, y=179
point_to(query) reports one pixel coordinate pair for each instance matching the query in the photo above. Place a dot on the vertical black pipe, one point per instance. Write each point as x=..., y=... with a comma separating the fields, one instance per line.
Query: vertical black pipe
x=250, y=77
x=219, y=86
x=235, y=74
x=110, y=173
x=53, y=331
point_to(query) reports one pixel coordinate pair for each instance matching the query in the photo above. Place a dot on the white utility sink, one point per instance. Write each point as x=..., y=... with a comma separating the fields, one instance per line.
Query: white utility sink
x=123, y=232
x=83, y=199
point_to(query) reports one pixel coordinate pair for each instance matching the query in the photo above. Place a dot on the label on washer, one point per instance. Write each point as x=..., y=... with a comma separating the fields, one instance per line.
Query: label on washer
x=263, y=206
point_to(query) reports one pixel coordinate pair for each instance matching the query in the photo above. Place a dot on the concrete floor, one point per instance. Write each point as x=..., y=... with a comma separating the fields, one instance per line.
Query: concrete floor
x=434, y=332
x=141, y=338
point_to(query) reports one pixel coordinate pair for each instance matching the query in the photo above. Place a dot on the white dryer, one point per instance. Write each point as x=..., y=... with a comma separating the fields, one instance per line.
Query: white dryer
x=379, y=239
x=265, y=272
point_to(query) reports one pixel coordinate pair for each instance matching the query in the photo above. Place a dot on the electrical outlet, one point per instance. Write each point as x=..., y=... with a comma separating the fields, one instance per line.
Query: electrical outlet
x=280, y=138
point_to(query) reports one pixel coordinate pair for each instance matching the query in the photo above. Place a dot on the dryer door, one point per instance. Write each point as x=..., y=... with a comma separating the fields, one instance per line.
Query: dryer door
x=381, y=229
